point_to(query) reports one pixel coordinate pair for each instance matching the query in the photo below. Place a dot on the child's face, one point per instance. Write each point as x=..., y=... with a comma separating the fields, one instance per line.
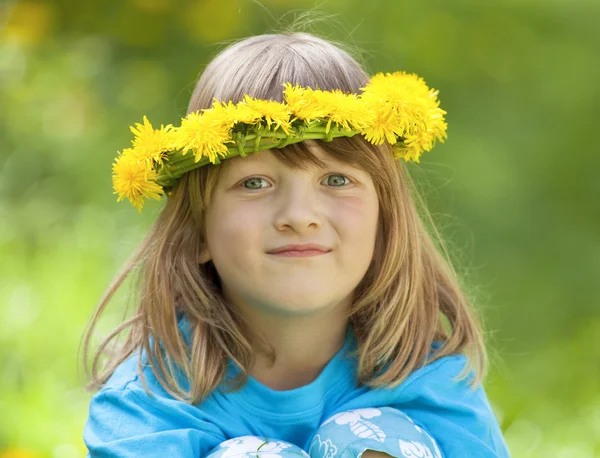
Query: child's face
x=260, y=204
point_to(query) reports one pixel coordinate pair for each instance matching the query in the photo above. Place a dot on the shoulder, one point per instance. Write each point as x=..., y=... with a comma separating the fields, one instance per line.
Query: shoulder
x=124, y=393
x=127, y=375
x=446, y=384
x=125, y=419
x=126, y=386
x=124, y=374
x=443, y=373
x=135, y=381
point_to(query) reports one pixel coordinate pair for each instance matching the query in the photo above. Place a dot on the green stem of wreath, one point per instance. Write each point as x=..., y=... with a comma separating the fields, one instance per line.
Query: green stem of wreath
x=179, y=163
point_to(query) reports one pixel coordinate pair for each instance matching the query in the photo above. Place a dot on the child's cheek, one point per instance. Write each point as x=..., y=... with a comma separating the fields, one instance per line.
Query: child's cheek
x=356, y=213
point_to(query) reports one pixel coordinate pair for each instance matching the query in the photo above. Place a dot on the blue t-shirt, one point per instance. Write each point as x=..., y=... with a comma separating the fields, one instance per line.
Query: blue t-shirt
x=124, y=421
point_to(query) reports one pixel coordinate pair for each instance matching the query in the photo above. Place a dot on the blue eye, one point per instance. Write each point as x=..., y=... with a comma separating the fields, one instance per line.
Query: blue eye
x=253, y=179
x=338, y=181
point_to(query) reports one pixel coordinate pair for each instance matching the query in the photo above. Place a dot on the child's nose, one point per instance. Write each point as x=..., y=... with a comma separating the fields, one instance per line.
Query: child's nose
x=298, y=207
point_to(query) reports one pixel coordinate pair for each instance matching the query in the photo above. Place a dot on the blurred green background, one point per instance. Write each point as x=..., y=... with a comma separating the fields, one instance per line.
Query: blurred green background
x=514, y=189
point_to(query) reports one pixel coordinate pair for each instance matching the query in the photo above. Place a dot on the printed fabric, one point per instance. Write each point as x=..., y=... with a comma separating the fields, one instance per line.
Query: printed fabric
x=344, y=435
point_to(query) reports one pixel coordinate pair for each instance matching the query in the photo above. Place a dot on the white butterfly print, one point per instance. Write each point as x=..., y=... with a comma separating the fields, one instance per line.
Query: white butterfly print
x=322, y=449
x=436, y=451
x=358, y=425
x=414, y=449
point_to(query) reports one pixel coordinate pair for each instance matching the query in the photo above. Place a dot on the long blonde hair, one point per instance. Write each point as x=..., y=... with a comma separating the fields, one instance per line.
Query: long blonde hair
x=409, y=297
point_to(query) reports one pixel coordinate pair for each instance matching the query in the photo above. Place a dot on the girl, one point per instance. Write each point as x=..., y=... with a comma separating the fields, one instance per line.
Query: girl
x=292, y=301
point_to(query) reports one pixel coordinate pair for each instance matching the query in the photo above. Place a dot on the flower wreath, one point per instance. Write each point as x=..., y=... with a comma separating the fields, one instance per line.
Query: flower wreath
x=397, y=107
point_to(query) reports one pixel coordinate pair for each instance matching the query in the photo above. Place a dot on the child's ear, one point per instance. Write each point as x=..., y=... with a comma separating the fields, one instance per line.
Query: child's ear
x=204, y=255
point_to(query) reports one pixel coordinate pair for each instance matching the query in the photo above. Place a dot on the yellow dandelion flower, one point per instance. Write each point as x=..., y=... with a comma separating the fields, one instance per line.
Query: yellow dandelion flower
x=304, y=104
x=273, y=112
x=408, y=108
x=385, y=125
x=152, y=144
x=423, y=141
x=134, y=179
x=231, y=114
x=205, y=134
x=411, y=150
x=347, y=110
x=399, y=88
x=246, y=114
x=392, y=97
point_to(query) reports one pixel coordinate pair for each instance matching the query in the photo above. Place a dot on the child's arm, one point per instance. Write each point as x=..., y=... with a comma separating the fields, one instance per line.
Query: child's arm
x=125, y=422
x=456, y=416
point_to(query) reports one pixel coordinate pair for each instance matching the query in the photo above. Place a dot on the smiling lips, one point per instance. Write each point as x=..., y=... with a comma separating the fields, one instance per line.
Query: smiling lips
x=300, y=251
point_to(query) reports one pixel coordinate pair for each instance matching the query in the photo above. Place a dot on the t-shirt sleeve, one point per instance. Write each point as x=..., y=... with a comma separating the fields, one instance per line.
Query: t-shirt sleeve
x=126, y=422
x=456, y=415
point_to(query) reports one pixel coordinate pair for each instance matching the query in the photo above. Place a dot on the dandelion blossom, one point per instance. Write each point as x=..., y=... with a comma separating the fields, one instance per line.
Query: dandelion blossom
x=152, y=144
x=405, y=108
x=134, y=179
x=205, y=134
x=304, y=104
x=346, y=110
x=385, y=125
x=273, y=112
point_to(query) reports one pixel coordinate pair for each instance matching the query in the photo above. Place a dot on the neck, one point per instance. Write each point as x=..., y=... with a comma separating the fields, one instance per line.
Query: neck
x=302, y=345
